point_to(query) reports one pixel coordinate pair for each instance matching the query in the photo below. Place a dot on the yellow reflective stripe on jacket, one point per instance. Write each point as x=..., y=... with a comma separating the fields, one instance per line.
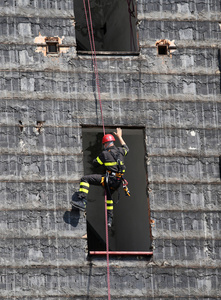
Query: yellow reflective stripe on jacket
x=114, y=163
x=108, y=164
x=99, y=161
x=83, y=190
x=85, y=184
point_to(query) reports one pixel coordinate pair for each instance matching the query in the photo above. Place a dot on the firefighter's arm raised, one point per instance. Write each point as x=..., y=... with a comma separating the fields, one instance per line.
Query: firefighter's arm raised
x=121, y=140
x=119, y=135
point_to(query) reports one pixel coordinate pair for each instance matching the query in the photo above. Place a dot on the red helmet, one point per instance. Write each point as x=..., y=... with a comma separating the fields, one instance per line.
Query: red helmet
x=108, y=138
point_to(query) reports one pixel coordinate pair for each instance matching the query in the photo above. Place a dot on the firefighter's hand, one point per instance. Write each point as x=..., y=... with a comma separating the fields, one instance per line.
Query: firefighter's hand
x=118, y=133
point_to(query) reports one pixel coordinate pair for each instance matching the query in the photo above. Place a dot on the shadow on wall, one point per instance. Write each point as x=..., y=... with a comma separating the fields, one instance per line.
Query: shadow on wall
x=72, y=217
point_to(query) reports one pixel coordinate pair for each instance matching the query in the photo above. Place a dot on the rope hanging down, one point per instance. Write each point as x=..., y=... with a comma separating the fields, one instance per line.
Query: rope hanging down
x=94, y=58
x=93, y=51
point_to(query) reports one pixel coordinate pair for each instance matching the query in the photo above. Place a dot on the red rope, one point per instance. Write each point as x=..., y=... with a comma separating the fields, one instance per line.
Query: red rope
x=89, y=32
x=93, y=51
x=107, y=248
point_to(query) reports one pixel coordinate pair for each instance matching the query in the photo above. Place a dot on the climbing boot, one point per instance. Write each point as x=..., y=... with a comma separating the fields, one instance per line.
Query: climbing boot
x=79, y=202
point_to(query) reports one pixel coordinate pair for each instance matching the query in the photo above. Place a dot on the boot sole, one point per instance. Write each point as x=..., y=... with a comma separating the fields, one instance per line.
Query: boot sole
x=77, y=206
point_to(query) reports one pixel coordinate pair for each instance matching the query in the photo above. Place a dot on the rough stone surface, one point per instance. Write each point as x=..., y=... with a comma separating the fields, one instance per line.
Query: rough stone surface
x=175, y=98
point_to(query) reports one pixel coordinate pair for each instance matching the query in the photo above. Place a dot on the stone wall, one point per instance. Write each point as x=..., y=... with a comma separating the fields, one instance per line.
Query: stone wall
x=176, y=98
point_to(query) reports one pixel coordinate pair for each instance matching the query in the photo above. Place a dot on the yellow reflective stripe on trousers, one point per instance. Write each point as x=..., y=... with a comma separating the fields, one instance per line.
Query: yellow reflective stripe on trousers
x=110, y=202
x=99, y=161
x=110, y=207
x=85, y=184
x=83, y=190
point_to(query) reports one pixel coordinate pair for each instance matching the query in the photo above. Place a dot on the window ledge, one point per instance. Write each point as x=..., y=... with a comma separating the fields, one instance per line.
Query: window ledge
x=110, y=53
x=121, y=252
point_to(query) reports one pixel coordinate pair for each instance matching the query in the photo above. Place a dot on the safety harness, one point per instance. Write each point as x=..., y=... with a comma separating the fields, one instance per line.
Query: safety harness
x=120, y=172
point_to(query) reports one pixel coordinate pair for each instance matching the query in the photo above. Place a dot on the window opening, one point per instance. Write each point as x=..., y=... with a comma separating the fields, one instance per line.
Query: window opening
x=114, y=26
x=165, y=47
x=52, y=48
x=130, y=233
x=162, y=50
x=52, y=45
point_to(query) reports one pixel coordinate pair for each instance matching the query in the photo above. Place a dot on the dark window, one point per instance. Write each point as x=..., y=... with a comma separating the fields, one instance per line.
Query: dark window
x=162, y=50
x=114, y=25
x=131, y=228
x=52, y=47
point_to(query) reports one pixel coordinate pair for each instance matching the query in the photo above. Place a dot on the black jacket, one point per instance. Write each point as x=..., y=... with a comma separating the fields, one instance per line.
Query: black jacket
x=112, y=159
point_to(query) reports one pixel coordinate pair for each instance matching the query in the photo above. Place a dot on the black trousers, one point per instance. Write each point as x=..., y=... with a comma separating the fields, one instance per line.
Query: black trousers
x=98, y=179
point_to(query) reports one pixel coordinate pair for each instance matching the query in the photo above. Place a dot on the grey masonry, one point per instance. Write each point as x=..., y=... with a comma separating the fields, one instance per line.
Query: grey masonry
x=175, y=98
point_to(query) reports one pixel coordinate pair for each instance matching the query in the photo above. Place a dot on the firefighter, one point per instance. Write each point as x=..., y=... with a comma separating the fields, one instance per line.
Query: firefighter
x=112, y=159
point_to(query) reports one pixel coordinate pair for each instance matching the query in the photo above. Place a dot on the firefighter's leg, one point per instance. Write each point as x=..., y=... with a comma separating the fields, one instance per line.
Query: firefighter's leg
x=110, y=208
x=113, y=184
x=110, y=204
x=86, y=181
x=79, y=199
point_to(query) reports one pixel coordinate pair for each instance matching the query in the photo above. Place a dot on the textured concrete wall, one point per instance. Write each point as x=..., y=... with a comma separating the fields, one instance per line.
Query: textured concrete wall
x=176, y=98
